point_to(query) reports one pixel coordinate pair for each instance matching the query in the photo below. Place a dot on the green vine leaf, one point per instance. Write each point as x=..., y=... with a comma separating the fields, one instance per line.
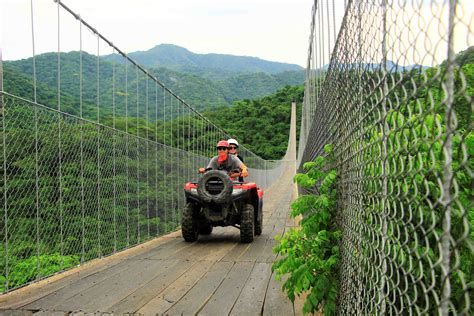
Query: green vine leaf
x=310, y=253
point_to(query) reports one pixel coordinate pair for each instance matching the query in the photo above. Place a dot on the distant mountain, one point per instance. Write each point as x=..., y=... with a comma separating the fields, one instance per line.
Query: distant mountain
x=209, y=66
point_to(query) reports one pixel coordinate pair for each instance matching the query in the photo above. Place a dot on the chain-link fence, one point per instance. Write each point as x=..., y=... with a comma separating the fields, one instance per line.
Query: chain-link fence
x=396, y=103
x=95, y=152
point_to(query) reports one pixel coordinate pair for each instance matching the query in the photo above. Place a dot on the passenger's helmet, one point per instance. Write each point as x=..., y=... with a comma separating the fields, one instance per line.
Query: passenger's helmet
x=233, y=141
x=222, y=143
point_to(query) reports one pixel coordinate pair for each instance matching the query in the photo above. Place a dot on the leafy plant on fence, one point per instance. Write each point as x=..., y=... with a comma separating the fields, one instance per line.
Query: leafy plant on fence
x=310, y=253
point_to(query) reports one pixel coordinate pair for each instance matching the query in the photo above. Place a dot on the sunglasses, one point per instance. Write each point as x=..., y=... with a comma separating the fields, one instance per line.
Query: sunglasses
x=233, y=147
x=222, y=148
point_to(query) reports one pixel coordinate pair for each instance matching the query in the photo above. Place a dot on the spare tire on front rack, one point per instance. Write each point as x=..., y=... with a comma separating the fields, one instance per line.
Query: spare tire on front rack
x=215, y=186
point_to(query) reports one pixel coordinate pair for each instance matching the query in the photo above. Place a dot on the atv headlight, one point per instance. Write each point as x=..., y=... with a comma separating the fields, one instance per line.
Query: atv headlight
x=237, y=191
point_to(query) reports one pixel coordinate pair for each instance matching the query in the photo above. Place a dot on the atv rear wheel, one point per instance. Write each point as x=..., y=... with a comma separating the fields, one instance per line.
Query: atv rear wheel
x=247, y=224
x=189, y=227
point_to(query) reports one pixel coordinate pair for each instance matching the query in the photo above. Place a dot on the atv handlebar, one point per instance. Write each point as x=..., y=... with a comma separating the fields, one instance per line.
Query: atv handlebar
x=233, y=173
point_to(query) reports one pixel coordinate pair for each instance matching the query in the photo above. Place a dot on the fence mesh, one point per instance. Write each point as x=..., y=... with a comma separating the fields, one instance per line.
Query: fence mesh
x=396, y=102
x=95, y=152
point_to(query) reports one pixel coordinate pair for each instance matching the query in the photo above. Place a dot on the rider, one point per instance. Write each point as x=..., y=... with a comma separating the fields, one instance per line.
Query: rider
x=224, y=161
x=233, y=145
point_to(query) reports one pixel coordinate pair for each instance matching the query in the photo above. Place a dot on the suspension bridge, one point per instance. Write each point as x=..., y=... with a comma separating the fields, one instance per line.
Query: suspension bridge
x=95, y=153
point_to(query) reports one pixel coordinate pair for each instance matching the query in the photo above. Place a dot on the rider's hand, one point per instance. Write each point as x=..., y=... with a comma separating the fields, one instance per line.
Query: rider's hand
x=202, y=170
x=235, y=174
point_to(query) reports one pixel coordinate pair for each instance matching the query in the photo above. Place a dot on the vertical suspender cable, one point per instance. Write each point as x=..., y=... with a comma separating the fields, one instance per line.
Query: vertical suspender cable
x=38, y=266
x=5, y=190
x=385, y=131
x=178, y=160
x=201, y=137
x=147, y=122
x=334, y=20
x=138, y=160
x=164, y=197
x=98, y=147
x=156, y=148
x=171, y=160
x=59, y=144
x=321, y=32
x=447, y=180
x=83, y=233
x=329, y=31
x=114, y=144
x=189, y=148
x=127, y=154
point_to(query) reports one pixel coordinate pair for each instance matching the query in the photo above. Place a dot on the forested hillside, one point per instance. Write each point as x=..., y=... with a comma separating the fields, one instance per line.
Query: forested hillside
x=262, y=125
x=197, y=88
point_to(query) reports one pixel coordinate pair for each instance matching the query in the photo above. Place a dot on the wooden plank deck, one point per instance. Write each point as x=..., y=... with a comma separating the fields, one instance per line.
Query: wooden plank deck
x=216, y=275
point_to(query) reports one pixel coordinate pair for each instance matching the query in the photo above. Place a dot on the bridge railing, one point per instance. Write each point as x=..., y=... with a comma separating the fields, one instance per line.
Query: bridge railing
x=396, y=103
x=95, y=151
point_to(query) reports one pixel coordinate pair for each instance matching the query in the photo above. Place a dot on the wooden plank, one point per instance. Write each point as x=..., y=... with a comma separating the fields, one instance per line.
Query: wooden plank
x=50, y=313
x=35, y=291
x=221, y=302
x=163, y=250
x=252, y=297
x=175, y=291
x=76, y=286
x=133, y=302
x=195, y=299
x=10, y=312
x=268, y=227
x=267, y=254
x=107, y=293
x=276, y=301
x=191, y=251
x=254, y=250
x=220, y=252
x=236, y=252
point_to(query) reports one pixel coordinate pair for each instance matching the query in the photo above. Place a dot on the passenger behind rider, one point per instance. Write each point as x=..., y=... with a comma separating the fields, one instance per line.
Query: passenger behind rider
x=233, y=145
x=226, y=162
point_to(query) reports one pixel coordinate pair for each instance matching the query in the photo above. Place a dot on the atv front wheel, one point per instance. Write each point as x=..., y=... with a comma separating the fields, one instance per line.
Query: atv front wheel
x=247, y=225
x=189, y=227
x=259, y=220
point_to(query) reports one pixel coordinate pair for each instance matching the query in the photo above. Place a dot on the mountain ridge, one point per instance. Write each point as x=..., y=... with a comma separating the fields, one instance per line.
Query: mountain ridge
x=220, y=66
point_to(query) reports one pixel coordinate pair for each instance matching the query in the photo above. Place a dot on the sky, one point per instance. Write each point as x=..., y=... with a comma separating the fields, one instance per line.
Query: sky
x=276, y=30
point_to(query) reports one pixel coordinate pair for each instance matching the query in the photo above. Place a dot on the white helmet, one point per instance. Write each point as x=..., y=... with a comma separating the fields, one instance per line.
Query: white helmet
x=233, y=141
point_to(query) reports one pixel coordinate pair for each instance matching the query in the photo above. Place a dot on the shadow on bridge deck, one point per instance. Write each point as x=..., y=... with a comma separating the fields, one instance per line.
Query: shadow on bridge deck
x=217, y=275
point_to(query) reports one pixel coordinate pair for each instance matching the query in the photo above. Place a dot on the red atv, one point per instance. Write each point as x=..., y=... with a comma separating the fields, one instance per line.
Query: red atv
x=215, y=200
